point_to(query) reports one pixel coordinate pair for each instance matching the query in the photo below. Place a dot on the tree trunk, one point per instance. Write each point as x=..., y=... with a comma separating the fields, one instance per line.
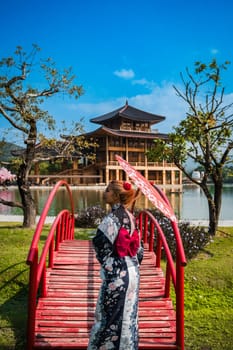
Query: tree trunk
x=28, y=203
x=29, y=209
x=218, y=185
x=214, y=205
x=213, y=220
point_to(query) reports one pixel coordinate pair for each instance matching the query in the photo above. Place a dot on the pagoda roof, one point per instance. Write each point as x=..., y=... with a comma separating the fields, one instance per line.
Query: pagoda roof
x=125, y=133
x=131, y=113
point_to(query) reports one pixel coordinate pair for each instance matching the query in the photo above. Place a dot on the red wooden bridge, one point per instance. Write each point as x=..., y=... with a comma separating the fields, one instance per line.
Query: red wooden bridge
x=64, y=283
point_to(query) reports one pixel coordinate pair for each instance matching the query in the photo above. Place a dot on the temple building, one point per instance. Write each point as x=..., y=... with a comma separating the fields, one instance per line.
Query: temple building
x=128, y=132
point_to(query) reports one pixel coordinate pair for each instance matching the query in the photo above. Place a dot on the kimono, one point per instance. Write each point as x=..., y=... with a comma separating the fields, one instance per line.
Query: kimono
x=116, y=315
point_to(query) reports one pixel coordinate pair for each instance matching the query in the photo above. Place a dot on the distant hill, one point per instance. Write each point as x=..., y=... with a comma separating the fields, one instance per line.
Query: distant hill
x=5, y=151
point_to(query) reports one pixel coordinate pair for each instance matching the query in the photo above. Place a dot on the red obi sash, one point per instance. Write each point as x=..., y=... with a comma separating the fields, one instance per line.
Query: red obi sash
x=126, y=244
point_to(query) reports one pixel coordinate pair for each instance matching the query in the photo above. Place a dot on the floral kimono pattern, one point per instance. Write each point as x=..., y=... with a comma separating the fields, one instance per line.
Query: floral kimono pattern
x=116, y=316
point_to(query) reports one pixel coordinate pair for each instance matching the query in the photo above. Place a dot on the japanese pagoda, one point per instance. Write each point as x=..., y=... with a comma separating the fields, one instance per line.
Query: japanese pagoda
x=128, y=132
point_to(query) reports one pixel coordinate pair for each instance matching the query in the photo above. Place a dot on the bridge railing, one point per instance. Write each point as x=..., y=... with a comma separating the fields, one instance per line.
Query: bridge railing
x=61, y=229
x=148, y=225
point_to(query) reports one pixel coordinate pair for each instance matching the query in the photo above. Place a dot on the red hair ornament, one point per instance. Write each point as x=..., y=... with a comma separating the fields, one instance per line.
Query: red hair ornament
x=127, y=186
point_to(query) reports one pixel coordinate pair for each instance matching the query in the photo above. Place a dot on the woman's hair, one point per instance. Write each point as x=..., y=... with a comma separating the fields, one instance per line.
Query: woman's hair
x=124, y=189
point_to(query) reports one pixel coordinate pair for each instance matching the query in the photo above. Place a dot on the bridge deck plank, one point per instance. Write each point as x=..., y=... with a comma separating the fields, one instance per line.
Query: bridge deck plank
x=64, y=317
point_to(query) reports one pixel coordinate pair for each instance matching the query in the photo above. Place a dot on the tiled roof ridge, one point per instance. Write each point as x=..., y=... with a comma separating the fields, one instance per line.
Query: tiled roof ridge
x=131, y=113
x=131, y=133
x=124, y=107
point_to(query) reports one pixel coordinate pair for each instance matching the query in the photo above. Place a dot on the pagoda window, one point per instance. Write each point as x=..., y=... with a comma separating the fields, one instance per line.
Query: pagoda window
x=136, y=143
x=142, y=143
x=137, y=126
x=130, y=143
x=113, y=141
x=146, y=127
x=117, y=141
x=112, y=156
x=133, y=157
x=126, y=125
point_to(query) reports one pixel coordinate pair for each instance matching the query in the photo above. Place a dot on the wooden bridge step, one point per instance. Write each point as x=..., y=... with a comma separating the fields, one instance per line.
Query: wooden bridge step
x=65, y=316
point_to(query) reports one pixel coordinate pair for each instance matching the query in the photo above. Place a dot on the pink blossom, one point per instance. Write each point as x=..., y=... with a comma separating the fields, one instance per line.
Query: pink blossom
x=5, y=175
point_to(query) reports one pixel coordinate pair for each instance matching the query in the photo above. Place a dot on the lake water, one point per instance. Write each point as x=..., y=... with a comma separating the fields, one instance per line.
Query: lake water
x=190, y=204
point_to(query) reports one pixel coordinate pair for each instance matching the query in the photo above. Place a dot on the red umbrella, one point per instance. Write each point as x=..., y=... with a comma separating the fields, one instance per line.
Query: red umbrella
x=153, y=193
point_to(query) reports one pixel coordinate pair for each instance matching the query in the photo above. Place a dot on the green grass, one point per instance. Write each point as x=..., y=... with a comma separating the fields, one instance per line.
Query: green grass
x=209, y=296
x=14, y=245
x=208, y=290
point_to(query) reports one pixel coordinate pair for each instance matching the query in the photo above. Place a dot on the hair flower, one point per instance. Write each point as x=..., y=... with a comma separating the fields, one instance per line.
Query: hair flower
x=127, y=186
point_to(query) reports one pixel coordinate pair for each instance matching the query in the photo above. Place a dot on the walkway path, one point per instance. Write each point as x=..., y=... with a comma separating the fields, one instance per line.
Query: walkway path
x=64, y=317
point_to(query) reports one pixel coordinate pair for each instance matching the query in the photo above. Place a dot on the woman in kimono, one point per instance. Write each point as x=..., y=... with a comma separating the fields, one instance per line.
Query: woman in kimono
x=119, y=252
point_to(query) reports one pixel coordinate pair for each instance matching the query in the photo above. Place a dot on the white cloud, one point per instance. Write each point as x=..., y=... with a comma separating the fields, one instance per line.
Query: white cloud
x=161, y=100
x=144, y=82
x=125, y=73
x=214, y=51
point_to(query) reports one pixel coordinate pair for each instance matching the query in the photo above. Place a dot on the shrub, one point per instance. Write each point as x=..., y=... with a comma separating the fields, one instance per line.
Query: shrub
x=91, y=217
x=194, y=238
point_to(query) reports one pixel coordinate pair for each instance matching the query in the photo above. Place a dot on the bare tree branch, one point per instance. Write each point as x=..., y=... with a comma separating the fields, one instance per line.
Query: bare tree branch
x=11, y=204
x=12, y=122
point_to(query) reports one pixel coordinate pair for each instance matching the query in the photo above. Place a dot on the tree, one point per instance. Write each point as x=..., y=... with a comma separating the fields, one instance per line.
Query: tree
x=21, y=102
x=228, y=174
x=205, y=135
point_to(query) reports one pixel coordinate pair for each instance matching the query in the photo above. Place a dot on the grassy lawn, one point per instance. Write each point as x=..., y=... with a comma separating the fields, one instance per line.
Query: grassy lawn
x=208, y=291
x=209, y=296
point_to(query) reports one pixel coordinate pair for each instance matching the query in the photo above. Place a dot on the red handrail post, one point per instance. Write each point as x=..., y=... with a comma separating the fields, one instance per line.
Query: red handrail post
x=37, y=277
x=51, y=253
x=145, y=225
x=43, y=282
x=63, y=224
x=174, y=271
x=180, y=306
x=151, y=242
x=32, y=299
x=58, y=236
x=71, y=232
x=167, y=281
x=67, y=226
x=180, y=264
x=158, y=250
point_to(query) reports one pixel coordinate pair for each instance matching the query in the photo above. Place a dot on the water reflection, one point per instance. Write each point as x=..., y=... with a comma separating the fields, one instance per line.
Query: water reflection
x=191, y=204
x=7, y=196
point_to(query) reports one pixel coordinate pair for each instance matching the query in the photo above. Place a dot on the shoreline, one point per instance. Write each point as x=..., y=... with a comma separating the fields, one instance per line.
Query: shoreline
x=50, y=219
x=172, y=188
x=101, y=187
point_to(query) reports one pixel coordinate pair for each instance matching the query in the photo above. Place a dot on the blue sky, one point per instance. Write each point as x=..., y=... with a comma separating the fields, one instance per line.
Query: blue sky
x=120, y=50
